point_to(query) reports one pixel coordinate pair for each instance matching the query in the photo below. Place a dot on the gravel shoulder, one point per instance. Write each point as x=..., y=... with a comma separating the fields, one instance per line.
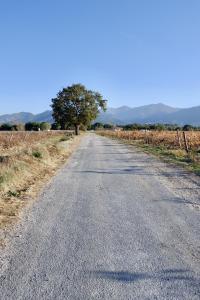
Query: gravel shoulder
x=114, y=223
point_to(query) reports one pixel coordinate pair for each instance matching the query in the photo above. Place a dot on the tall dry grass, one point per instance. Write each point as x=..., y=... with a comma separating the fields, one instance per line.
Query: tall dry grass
x=10, y=139
x=27, y=160
x=182, y=148
x=168, y=139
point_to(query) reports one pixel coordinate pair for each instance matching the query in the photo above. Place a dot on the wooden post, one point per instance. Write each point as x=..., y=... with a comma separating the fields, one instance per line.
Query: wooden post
x=185, y=142
x=146, y=138
x=179, y=138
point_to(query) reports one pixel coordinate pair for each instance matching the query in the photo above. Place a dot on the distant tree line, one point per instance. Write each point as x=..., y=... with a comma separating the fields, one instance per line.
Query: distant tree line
x=99, y=125
x=30, y=126
x=137, y=126
x=160, y=127
x=37, y=126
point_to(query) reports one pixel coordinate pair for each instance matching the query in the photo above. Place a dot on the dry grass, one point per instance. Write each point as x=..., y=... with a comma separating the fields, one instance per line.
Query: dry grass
x=168, y=144
x=26, y=164
x=10, y=139
x=169, y=139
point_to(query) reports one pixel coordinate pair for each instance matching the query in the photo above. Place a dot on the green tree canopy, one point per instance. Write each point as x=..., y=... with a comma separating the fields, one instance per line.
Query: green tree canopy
x=45, y=126
x=6, y=127
x=187, y=127
x=32, y=126
x=97, y=125
x=75, y=105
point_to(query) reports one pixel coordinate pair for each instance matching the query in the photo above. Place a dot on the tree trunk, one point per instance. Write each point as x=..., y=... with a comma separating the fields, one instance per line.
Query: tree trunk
x=77, y=129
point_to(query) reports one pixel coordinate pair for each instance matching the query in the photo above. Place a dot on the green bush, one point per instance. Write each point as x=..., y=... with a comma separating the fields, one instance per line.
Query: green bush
x=37, y=154
x=32, y=126
x=13, y=193
x=45, y=126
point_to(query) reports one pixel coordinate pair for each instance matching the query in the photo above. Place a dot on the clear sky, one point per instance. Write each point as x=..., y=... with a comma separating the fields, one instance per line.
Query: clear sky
x=135, y=52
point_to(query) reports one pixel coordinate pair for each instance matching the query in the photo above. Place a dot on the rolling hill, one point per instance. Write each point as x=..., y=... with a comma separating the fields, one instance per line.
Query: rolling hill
x=24, y=117
x=153, y=113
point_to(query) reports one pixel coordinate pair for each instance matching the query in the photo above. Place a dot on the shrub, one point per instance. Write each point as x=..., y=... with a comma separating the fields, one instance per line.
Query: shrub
x=45, y=126
x=32, y=126
x=37, y=154
x=6, y=127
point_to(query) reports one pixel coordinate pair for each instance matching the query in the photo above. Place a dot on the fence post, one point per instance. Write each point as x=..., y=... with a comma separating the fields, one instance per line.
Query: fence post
x=185, y=142
x=179, y=138
x=146, y=138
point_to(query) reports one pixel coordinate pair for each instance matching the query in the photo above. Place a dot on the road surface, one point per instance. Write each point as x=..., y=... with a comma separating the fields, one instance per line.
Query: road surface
x=114, y=223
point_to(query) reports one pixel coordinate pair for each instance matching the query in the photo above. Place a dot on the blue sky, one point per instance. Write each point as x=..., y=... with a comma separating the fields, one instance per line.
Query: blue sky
x=135, y=52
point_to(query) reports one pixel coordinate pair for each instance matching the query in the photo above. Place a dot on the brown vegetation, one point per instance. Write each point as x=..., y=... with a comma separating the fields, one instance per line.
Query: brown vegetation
x=178, y=145
x=169, y=139
x=27, y=160
x=10, y=139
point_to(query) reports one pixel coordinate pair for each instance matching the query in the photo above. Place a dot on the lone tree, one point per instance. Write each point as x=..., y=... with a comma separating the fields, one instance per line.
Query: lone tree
x=75, y=106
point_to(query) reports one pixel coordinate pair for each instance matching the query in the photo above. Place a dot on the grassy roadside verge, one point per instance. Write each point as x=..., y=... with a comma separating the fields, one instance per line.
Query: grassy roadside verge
x=179, y=157
x=190, y=161
x=24, y=169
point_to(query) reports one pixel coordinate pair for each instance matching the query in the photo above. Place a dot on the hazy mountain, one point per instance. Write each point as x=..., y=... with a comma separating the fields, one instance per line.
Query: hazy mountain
x=185, y=116
x=153, y=113
x=141, y=114
x=24, y=117
x=46, y=116
x=21, y=117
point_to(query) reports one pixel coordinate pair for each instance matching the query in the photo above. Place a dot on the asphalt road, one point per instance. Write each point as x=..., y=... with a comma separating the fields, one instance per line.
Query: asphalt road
x=114, y=223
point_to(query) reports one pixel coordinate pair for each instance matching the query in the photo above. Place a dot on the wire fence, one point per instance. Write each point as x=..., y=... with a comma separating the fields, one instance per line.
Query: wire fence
x=187, y=140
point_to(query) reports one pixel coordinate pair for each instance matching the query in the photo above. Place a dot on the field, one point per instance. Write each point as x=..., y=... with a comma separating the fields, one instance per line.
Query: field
x=10, y=139
x=169, y=139
x=27, y=160
x=183, y=147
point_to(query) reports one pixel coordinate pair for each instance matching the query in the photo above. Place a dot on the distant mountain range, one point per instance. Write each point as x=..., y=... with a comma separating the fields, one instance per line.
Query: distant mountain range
x=153, y=113
x=24, y=117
